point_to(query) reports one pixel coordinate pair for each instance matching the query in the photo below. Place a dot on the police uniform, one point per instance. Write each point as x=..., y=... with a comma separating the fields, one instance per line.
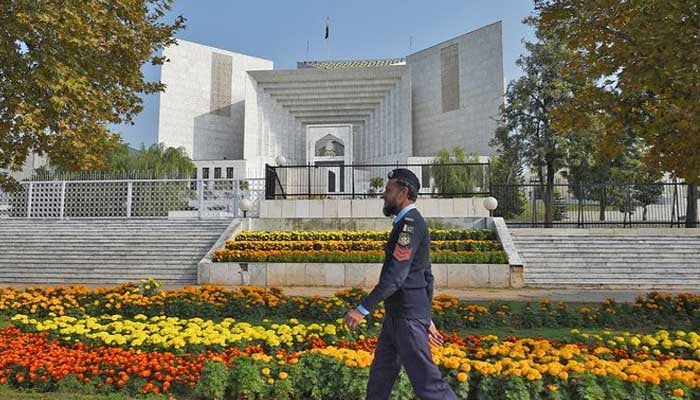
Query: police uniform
x=406, y=287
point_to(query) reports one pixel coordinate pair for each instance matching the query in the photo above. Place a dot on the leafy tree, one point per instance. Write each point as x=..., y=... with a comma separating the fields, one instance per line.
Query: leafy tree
x=159, y=160
x=636, y=63
x=527, y=113
x=506, y=176
x=456, y=179
x=70, y=68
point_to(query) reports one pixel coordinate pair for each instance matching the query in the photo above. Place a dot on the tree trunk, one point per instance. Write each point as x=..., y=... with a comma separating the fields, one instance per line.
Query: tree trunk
x=691, y=214
x=603, y=203
x=549, y=197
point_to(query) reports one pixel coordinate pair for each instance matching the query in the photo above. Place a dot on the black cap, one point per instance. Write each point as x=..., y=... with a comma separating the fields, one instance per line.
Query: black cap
x=405, y=176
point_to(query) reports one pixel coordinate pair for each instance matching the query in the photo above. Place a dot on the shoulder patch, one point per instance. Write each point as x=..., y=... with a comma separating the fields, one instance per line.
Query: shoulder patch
x=404, y=239
x=402, y=253
x=409, y=219
x=408, y=228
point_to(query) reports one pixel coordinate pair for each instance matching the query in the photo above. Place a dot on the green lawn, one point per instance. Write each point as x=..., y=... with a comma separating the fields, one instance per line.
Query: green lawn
x=7, y=393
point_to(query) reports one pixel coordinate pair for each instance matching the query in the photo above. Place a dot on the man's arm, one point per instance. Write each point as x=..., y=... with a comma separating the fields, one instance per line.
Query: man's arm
x=430, y=279
x=396, y=271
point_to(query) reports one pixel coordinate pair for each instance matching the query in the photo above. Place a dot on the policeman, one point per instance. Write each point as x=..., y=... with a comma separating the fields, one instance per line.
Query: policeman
x=406, y=287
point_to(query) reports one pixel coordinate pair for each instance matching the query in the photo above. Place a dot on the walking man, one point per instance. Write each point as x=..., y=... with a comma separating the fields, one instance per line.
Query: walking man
x=406, y=287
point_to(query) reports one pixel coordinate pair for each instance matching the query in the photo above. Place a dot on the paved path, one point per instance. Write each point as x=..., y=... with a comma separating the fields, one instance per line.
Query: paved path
x=569, y=295
x=526, y=294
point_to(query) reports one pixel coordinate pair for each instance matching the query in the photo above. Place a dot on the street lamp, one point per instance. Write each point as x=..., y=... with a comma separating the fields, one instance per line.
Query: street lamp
x=280, y=160
x=490, y=203
x=245, y=206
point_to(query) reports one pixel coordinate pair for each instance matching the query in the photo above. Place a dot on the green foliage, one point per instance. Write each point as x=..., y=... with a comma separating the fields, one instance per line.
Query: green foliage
x=435, y=234
x=525, y=128
x=586, y=388
x=246, y=380
x=71, y=384
x=506, y=172
x=158, y=160
x=71, y=68
x=456, y=179
x=632, y=81
x=214, y=380
x=498, y=387
x=375, y=184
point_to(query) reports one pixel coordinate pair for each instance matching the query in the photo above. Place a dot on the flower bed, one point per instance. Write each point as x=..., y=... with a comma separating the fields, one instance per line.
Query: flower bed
x=483, y=366
x=246, y=303
x=447, y=247
x=210, y=342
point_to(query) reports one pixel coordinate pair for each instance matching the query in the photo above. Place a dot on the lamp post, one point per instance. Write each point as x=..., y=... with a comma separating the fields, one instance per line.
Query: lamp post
x=245, y=206
x=280, y=160
x=490, y=203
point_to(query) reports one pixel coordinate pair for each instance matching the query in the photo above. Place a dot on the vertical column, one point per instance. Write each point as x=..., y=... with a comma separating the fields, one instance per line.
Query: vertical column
x=29, y=200
x=129, y=192
x=63, y=198
x=200, y=197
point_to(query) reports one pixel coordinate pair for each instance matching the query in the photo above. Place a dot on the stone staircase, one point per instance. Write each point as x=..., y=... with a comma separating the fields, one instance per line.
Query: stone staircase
x=645, y=258
x=104, y=251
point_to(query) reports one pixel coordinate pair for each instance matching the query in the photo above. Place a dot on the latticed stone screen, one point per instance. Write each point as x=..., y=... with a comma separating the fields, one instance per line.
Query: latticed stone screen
x=449, y=57
x=129, y=198
x=220, y=96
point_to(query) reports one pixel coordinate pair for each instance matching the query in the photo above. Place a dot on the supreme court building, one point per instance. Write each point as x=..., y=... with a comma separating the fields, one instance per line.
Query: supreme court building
x=234, y=113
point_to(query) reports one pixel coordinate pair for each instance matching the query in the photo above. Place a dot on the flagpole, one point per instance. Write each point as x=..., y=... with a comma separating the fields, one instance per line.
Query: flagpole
x=328, y=24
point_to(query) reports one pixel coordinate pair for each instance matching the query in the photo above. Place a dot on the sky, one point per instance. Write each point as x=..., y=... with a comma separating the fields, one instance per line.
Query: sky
x=279, y=30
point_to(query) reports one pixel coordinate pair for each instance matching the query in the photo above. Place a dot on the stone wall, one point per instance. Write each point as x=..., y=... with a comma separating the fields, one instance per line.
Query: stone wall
x=368, y=208
x=479, y=93
x=447, y=276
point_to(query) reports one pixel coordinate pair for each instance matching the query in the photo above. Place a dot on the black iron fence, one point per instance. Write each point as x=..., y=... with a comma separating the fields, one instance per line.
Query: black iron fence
x=609, y=204
x=337, y=180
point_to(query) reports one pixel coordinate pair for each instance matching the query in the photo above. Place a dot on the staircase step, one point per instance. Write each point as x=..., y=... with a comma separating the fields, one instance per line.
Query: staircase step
x=104, y=251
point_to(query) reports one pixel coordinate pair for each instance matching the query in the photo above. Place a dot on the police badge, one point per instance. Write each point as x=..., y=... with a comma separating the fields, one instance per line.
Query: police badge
x=404, y=239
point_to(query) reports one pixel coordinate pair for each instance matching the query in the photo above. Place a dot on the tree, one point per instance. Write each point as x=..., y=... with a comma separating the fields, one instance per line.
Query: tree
x=526, y=115
x=70, y=68
x=158, y=160
x=456, y=179
x=506, y=176
x=637, y=64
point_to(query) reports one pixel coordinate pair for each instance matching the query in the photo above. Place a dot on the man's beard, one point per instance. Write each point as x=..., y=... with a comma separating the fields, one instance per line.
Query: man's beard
x=390, y=209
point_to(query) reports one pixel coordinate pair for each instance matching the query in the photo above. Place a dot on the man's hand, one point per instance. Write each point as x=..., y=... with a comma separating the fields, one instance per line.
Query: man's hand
x=434, y=336
x=352, y=319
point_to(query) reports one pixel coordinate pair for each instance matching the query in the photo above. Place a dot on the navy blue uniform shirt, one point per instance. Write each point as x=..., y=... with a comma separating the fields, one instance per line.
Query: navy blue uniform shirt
x=406, y=281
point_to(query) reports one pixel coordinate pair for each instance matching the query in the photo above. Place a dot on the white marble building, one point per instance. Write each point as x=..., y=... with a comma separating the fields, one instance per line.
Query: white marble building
x=234, y=113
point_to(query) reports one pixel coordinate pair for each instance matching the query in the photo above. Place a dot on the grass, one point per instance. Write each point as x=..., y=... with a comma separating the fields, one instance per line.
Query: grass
x=7, y=393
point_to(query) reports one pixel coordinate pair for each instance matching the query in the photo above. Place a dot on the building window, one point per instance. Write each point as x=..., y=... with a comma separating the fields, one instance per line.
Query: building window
x=229, y=172
x=217, y=173
x=205, y=173
x=449, y=57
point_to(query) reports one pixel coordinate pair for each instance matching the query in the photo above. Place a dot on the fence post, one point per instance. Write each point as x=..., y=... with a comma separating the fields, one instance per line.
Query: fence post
x=200, y=196
x=352, y=169
x=308, y=179
x=29, y=201
x=580, y=205
x=63, y=198
x=129, y=192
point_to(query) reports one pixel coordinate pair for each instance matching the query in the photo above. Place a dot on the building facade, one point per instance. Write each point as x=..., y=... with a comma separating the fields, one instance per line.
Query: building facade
x=235, y=113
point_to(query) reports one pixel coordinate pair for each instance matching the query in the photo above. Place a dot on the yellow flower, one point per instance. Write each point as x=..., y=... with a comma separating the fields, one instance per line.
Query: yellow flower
x=265, y=371
x=462, y=377
x=283, y=375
